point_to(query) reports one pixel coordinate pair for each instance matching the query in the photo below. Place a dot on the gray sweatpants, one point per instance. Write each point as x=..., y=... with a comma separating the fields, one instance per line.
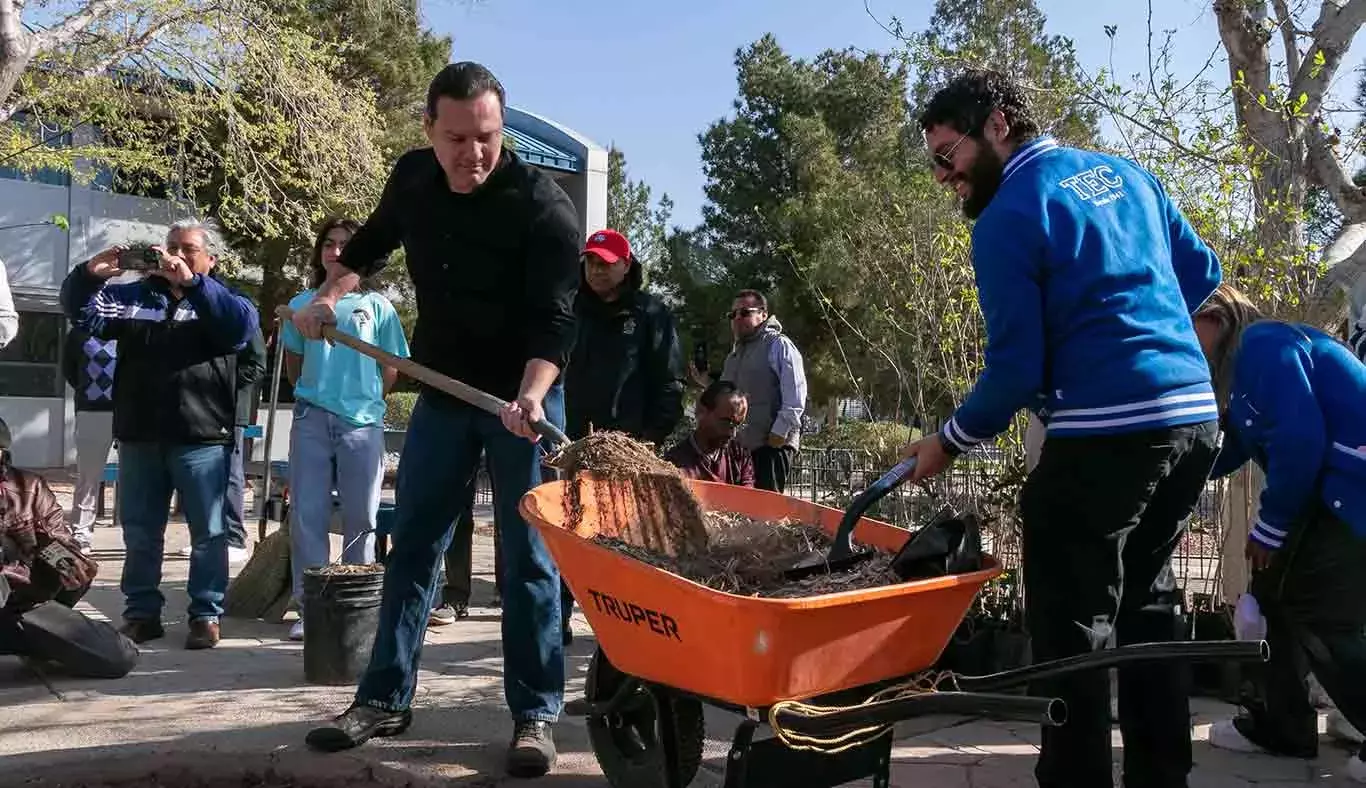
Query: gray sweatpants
x=94, y=437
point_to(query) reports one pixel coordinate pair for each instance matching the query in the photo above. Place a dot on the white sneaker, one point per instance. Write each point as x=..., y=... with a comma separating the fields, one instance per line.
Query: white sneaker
x=1342, y=730
x=296, y=632
x=1356, y=769
x=1226, y=736
x=237, y=555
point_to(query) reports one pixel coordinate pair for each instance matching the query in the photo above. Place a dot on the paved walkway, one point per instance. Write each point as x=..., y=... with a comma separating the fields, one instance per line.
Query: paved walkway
x=243, y=706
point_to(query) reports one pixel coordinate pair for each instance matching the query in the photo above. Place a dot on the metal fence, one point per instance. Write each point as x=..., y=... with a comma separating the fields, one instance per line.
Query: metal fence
x=833, y=477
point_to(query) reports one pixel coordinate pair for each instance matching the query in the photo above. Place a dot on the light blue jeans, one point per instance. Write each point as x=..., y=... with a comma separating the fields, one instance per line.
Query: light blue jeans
x=327, y=453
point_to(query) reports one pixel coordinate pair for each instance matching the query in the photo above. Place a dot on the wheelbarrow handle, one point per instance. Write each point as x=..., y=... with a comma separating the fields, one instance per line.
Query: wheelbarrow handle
x=461, y=391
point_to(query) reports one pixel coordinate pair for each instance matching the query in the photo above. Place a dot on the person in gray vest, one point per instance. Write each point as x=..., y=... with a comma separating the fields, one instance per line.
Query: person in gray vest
x=88, y=367
x=767, y=367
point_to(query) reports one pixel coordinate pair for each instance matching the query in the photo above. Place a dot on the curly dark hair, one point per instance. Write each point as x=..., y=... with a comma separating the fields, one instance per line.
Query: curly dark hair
x=968, y=100
x=316, y=273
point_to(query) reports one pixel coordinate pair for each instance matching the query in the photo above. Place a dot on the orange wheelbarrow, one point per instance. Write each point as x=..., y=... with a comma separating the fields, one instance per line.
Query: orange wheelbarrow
x=668, y=646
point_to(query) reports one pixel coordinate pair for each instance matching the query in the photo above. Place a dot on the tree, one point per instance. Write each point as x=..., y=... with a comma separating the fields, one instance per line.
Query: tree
x=1008, y=36
x=629, y=210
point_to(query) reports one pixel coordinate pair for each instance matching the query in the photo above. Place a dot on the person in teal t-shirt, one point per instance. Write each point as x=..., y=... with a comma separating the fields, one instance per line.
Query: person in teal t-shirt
x=337, y=440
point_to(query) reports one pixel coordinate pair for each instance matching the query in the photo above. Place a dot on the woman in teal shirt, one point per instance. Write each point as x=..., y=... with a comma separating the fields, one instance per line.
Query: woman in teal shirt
x=337, y=439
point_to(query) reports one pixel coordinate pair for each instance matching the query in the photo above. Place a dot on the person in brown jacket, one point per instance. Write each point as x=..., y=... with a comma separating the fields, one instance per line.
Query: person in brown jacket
x=43, y=574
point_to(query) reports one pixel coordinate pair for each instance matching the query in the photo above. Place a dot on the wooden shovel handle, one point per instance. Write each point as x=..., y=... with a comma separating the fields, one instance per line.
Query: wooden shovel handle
x=461, y=391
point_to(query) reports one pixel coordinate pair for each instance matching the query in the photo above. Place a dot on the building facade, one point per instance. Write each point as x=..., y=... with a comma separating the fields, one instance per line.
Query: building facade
x=35, y=401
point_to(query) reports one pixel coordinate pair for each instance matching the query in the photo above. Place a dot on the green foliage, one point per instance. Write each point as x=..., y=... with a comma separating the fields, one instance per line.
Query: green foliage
x=883, y=440
x=1008, y=36
x=630, y=212
x=399, y=409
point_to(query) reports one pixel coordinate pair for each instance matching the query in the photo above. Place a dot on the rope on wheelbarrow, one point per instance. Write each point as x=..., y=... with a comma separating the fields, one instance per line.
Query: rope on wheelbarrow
x=929, y=681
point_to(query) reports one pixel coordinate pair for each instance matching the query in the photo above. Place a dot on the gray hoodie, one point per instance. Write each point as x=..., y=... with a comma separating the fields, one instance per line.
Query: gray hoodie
x=768, y=368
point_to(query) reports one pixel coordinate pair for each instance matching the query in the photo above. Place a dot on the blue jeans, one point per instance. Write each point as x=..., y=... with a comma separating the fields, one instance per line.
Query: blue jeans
x=440, y=455
x=148, y=472
x=326, y=453
x=233, y=505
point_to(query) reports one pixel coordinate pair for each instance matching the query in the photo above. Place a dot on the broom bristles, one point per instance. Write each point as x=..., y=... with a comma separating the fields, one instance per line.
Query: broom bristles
x=257, y=589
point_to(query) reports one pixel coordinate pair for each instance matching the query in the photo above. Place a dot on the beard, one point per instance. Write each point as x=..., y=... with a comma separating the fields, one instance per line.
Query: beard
x=984, y=179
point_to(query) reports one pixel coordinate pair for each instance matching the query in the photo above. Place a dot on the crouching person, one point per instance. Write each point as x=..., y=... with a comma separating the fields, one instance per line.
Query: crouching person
x=1292, y=401
x=43, y=574
x=179, y=332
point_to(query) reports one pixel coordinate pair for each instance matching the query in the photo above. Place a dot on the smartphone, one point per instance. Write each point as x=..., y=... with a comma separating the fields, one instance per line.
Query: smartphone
x=139, y=258
x=699, y=355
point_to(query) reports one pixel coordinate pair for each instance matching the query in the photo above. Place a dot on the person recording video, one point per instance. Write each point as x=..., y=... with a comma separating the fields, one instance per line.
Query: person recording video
x=179, y=331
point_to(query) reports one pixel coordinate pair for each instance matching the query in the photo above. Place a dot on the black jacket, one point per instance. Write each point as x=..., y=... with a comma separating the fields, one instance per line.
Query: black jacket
x=251, y=371
x=176, y=381
x=626, y=369
x=495, y=271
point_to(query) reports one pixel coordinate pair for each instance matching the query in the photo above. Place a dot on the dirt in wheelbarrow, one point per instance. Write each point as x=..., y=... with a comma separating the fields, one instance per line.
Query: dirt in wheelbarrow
x=748, y=557
x=667, y=517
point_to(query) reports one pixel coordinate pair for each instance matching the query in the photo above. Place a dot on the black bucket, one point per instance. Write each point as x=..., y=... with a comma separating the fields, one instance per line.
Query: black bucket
x=341, y=614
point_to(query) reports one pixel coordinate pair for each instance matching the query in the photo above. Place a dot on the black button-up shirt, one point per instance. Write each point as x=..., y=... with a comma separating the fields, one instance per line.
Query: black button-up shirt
x=495, y=271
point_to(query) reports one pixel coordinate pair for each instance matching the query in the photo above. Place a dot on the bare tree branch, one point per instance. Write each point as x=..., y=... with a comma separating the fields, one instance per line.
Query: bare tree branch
x=1338, y=23
x=68, y=29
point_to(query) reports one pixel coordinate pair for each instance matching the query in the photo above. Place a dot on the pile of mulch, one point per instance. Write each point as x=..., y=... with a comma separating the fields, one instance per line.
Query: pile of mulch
x=747, y=557
x=664, y=525
x=646, y=494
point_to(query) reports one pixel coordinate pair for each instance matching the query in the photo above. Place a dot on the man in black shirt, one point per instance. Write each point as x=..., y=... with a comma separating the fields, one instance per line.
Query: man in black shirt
x=492, y=248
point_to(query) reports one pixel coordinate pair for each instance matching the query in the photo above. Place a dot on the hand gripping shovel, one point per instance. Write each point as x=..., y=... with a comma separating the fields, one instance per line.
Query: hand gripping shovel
x=414, y=370
x=842, y=554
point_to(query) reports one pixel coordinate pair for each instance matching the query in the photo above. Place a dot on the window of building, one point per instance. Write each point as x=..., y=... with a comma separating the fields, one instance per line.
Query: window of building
x=30, y=366
x=53, y=136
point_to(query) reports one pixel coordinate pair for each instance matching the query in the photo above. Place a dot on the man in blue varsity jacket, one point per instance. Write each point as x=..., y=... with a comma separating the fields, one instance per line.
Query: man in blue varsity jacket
x=175, y=393
x=1292, y=399
x=1087, y=275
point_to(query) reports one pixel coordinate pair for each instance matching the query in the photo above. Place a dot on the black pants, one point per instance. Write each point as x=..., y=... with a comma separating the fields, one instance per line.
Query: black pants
x=771, y=467
x=459, y=561
x=55, y=632
x=1314, y=598
x=1101, y=517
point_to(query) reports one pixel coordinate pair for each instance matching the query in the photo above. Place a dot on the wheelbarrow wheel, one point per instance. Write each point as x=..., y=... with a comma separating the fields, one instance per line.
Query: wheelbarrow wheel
x=628, y=743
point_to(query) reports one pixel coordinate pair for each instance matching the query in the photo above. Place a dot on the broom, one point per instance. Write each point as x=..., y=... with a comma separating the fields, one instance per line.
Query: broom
x=263, y=585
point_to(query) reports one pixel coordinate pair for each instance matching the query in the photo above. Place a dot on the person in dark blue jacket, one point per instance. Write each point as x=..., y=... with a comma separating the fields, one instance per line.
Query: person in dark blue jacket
x=179, y=331
x=1293, y=403
x=1087, y=275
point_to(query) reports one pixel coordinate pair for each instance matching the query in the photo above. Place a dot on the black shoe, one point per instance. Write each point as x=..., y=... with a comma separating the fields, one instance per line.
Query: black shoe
x=532, y=753
x=356, y=726
x=142, y=630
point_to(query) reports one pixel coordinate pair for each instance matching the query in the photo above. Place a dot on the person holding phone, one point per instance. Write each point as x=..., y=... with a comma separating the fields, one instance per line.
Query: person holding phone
x=179, y=331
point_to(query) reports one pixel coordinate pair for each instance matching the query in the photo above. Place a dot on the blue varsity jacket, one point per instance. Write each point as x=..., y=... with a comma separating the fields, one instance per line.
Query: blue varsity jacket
x=1087, y=275
x=1296, y=409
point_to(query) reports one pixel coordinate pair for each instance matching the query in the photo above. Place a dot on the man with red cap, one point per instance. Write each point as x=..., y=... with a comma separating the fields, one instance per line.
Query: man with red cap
x=626, y=370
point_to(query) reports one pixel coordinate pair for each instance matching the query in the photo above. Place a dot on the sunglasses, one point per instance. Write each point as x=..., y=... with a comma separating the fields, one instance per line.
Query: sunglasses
x=944, y=160
x=745, y=311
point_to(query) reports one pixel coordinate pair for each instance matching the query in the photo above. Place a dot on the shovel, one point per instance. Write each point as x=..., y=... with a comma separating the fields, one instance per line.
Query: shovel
x=461, y=391
x=842, y=554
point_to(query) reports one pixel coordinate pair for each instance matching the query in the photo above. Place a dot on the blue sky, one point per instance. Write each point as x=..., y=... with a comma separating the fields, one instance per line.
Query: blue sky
x=650, y=76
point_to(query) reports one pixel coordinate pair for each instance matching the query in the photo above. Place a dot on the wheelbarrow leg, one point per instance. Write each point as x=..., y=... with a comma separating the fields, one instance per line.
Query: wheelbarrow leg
x=769, y=763
x=668, y=734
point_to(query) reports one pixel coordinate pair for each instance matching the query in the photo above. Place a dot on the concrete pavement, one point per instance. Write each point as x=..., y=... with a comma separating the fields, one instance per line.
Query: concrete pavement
x=237, y=715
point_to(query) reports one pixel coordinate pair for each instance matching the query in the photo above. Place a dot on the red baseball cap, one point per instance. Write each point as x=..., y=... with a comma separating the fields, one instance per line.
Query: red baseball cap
x=609, y=245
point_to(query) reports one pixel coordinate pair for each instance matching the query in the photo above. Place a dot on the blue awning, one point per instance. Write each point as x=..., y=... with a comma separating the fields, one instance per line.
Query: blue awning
x=541, y=154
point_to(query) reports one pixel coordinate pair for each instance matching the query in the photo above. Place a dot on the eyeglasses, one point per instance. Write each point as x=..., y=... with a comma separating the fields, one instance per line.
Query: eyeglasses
x=746, y=311
x=944, y=161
